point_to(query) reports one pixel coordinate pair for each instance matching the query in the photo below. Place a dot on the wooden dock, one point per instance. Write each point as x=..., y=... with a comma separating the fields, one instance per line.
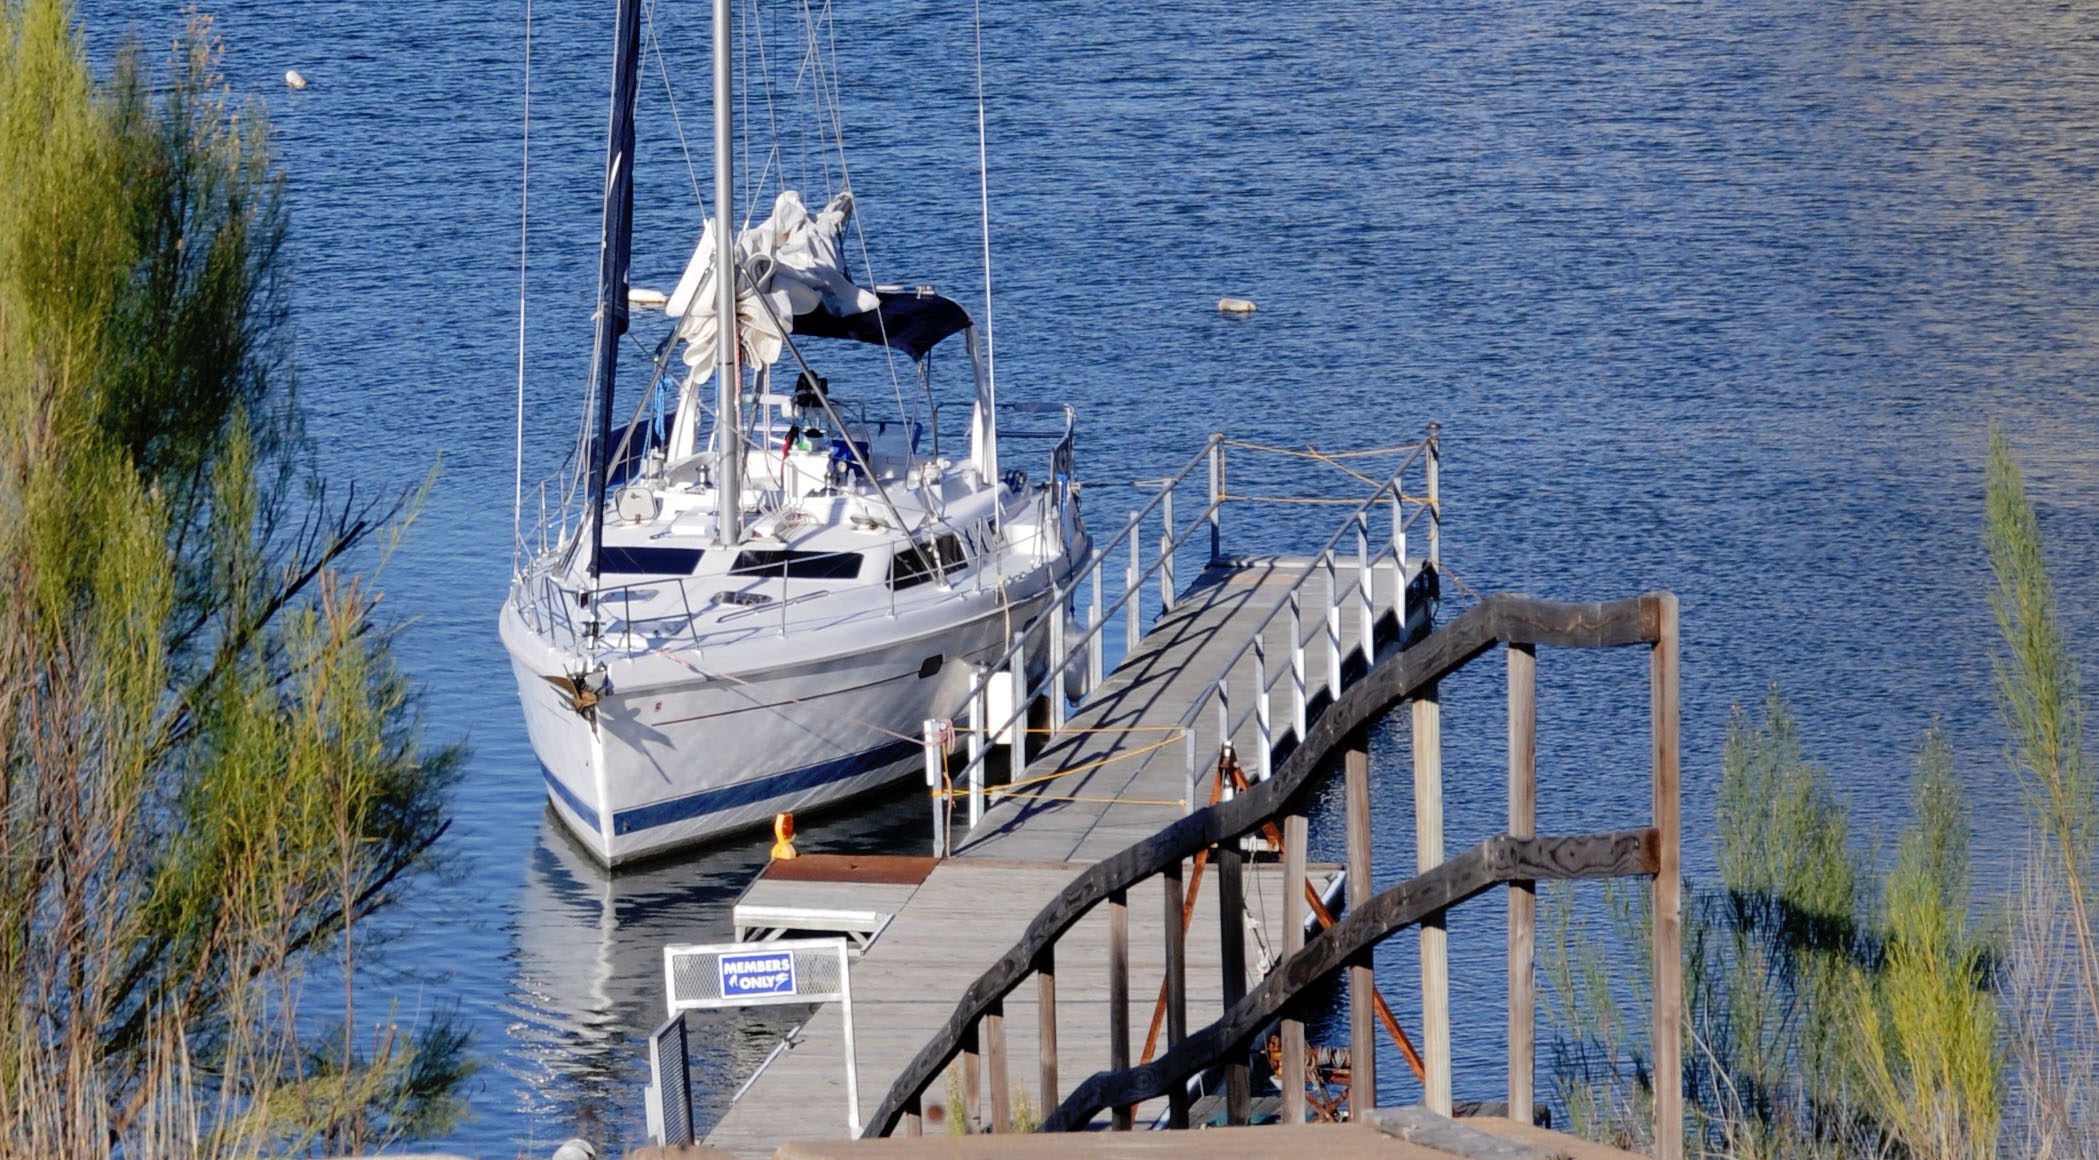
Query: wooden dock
x=1039, y=975
x=971, y=907
x=1137, y=770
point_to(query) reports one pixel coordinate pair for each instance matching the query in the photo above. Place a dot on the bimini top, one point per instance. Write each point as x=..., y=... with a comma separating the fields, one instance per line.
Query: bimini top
x=907, y=321
x=794, y=281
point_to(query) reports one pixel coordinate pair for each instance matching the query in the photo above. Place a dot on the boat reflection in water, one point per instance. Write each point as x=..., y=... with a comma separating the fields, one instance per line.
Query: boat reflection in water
x=586, y=986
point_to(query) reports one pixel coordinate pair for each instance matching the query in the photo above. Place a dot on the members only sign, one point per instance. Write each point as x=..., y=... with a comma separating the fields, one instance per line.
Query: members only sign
x=747, y=976
x=788, y=970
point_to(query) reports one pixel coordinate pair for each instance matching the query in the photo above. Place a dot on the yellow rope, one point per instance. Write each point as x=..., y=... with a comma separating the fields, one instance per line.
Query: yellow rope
x=1087, y=766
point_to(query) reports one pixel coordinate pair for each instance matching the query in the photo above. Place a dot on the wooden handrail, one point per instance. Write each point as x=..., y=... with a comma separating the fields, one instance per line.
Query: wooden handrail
x=1496, y=861
x=1498, y=619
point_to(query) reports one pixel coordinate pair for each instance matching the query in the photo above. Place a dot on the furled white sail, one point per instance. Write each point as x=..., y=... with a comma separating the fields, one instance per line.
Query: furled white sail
x=791, y=261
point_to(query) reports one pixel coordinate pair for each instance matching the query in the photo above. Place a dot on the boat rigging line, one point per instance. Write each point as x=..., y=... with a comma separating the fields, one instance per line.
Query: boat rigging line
x=984, y=212
x=524, y=238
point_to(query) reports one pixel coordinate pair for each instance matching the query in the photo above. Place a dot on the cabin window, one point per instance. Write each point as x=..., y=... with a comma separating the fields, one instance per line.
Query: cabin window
x=648, y=561
x=786, y=563
x=907, y=569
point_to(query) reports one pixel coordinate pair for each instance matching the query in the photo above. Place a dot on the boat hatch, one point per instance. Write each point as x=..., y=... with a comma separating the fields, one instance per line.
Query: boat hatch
x=788, y=563
x=649, y=561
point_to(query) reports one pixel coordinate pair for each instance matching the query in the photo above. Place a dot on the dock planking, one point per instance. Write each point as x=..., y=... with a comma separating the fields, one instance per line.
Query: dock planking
x=971, y=908
x=1169, y=672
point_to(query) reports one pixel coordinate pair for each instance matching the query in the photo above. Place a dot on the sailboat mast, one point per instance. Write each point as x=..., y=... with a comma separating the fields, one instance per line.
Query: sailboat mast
x=615, y=247
x=728, y=377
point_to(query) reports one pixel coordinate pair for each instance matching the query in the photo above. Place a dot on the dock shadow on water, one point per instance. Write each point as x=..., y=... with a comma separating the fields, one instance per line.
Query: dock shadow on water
x=586, y=975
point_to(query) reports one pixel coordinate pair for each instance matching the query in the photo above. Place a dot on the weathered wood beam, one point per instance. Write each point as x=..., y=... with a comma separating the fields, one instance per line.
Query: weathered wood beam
x=1435, y=937
x=1497, y=860
x=1119, y=993
x=1046, y=1023
x=1362, y=981
x=1523, y=894
x=1668, y=890
x=1292, y=1077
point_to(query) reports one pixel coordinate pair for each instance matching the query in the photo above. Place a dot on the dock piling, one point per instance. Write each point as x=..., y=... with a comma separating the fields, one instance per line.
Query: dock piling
x=1668, y=887
x=995, y=1068
x=1231, y=935
x=1435, y=938
x=1119, y=996
x=1292, y=1078
x=1362, y=1028
x=1523, y=822
x=1046, y=1023
x=1175, y=919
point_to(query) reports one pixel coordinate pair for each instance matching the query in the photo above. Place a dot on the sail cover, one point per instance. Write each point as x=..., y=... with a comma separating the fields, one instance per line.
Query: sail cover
x=796, y=282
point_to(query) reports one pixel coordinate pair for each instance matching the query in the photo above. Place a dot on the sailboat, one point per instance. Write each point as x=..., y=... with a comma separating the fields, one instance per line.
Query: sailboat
x=759, y=609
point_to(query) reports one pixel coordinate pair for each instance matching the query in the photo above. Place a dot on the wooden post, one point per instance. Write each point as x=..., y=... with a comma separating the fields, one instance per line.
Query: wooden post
x=1333, y=629
x=995, y=1067
x=972, y=1075
x=1058, y=661
x=1118, y=996
x=914, y=1122
x=1435, y=939
x=1216, y=498
x=1292, y=1079
x=1176, y=983
x=1668, y=889
x=1096, y=620
x=1362, y=985
x=1435, y=502
x=1264, y=730
x=1523, y=896
x=1366, y=592
x=1167, y=544
x=1231, y=939
x=1297, y=664
x=1046, y=1026
x=1133, y=591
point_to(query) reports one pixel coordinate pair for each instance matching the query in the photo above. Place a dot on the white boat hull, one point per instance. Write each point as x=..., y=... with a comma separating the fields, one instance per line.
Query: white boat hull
x=664, y=763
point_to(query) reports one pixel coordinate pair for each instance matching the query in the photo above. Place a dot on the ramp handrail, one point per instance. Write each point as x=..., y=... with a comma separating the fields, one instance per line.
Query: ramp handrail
x=1400, y=675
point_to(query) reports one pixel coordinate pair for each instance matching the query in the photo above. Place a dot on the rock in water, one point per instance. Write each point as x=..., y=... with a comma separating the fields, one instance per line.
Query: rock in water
x=293, y=79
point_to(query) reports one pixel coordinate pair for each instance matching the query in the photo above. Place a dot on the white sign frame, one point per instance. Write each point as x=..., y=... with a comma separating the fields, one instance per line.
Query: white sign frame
x=843, y=995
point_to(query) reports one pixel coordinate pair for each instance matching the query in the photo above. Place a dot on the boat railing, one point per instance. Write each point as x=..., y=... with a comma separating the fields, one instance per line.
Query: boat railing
x=1071, y=642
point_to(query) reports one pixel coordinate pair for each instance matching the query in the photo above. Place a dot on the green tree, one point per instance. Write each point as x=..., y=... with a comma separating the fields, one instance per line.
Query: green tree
x=212, y=768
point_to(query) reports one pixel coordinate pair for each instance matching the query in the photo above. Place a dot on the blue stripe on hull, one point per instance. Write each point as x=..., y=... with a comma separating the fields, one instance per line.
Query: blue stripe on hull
x=569, y=798
x=745, y=793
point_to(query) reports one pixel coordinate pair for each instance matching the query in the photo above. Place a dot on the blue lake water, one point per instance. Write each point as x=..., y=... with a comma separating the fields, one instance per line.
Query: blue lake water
x=1719, y=298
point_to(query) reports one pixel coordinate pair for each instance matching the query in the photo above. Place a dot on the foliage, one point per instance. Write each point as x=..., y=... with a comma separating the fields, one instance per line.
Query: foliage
x=212, y=768
x=1829, y=1020
x=1926, y=1042
x=2052, y=968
